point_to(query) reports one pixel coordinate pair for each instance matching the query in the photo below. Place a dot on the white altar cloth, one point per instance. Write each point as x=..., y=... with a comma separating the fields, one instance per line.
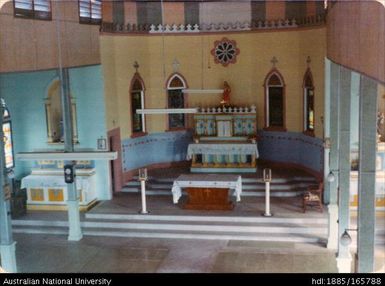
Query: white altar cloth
x=39, y=181
x=207, y=181
x=222, y=149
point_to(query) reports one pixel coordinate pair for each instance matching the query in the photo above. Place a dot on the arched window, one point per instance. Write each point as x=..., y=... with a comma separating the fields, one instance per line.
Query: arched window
x=137, y=102
x=308, y=100
x=176, y=99
x=7, y=132
x=54, y=115
x=274, y=101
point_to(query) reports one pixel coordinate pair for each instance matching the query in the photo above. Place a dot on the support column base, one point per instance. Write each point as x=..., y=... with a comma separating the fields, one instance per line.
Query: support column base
x=344, y=265
x=332, y=226
x=75, y=232
x=8, y=257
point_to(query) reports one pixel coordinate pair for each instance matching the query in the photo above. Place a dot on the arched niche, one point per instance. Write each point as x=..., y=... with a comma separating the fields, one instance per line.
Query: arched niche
x=54, y=115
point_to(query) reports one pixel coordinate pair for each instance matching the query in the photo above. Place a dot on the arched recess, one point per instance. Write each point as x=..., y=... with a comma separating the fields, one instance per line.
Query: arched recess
x=275, y=104
x=137, y=88
x=54, y=115
x=176, y=99
x=308, y=103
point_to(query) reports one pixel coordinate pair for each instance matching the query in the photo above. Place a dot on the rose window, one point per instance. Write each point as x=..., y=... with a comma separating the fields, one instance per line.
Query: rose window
x=225, y=52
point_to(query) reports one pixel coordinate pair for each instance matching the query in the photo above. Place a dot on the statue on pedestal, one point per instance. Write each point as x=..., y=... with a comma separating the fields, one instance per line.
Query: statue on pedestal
x=226, y=94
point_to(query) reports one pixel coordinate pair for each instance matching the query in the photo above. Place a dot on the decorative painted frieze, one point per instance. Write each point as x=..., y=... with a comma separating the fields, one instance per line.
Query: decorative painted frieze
x=212, y=27
x=234, y=109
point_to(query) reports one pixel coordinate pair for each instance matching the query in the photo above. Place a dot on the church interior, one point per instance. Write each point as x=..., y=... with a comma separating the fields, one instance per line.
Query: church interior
x=192, y=136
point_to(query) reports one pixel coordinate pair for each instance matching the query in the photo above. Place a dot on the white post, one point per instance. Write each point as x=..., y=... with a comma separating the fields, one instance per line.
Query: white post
x=143, y=179
x=143, y=191
x=267, y=180
x=267, y=199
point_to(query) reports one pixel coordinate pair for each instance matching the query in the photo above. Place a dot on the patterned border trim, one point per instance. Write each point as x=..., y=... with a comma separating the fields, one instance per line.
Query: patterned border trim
x=212, y=27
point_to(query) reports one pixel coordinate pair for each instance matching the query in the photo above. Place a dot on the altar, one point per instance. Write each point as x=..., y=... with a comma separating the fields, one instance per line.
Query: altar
x=46, y=189
x=225, y=140
x=223, y=157
x=207, y=191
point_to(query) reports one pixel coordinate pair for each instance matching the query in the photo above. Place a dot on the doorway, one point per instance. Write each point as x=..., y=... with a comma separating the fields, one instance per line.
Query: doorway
x=115, y=165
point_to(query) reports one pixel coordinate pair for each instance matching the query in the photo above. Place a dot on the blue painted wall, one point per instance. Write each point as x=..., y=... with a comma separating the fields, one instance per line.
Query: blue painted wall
x=155, y=148
x=287, y=147
x=24, y=94
x=292, y=147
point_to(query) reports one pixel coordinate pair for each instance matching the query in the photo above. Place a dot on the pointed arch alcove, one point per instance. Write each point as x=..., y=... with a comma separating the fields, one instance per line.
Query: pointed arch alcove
x=54, y=115
x=137, y=101
x=308, y=103
x=275, y=104
x=176, y=99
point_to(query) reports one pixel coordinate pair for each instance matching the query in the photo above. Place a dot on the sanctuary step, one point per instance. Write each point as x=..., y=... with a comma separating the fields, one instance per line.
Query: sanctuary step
x=272, y=229
x=185, y=227
x=279, y=187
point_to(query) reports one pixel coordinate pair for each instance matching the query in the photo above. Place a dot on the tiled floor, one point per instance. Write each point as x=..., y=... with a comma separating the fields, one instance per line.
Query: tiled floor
x=54, y=254
x=47, y=253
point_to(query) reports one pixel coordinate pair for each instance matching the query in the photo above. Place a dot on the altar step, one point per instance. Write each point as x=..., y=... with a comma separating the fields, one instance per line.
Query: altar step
x=272, y=229
x=279, y=187
x=301, y=230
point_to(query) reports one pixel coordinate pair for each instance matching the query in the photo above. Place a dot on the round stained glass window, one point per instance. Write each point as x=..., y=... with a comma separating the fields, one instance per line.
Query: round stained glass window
x=225, y=52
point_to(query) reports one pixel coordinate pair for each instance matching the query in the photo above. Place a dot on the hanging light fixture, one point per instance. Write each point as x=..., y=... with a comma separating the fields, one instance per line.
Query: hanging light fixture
x=202, y=91
x=345, y=238
x=175, y=67
x=166, y=110
x=331, y=177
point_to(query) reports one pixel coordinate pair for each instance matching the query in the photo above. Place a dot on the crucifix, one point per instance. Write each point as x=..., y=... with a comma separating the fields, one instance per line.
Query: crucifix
x=136, y=66
x=308, y=61
x=175, y=65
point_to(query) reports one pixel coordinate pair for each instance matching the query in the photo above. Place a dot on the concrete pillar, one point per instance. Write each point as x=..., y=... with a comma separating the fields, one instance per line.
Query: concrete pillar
x=8, y=257
x=7, y=245
x=367, y=175
x=326, y=130
x=331, y=187
x=75, y=232
x=344, y=257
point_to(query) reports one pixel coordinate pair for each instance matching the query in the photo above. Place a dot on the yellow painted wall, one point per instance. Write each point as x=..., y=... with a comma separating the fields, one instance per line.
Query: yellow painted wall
x=156, y=53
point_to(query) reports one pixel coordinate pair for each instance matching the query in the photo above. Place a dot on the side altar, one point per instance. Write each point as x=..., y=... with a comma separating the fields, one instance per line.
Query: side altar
x=225, y=140
x=47, y=190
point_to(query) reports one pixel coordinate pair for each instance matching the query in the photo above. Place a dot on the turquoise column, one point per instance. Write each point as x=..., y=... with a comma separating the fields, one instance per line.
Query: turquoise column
x=326, y=130
x=344, y=257
x=331, y=186
x=367, y=175
x=7, y=245
x=75, y=232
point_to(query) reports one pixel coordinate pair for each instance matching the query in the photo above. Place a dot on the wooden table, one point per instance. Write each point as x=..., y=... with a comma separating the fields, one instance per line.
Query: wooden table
x=207, y=191
x=208, y=199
